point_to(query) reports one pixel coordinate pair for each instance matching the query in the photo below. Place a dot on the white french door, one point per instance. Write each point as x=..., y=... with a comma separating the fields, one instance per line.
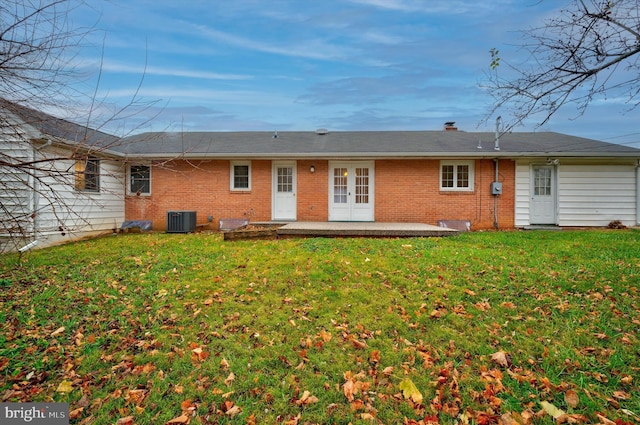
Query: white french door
x=351, y=189
x=284, y=191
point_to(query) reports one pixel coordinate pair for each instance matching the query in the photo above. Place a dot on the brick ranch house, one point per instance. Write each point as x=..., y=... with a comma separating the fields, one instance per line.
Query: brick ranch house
x=517, y=180
x=514, y=181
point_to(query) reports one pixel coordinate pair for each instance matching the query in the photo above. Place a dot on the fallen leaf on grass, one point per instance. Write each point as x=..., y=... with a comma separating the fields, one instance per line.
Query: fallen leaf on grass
x=409, y=390
x=127, y=420
x=64, y=387
x=230, y=409
x=198, y=354
x=552, y=410
x=571, y=398
x=230, y=379
x=76, y=413
x=349, y=389
x=182, y=419
x=502, y=358
x=58, y=331
x=621, y=395
x=306, y=399
x=604, y=420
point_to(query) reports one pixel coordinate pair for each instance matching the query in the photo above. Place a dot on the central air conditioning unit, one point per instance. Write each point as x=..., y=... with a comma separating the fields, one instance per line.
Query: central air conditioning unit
x=181, y=221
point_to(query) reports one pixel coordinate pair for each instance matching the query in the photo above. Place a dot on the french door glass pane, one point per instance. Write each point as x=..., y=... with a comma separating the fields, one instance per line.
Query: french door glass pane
x=340, y=185
x=362, y=185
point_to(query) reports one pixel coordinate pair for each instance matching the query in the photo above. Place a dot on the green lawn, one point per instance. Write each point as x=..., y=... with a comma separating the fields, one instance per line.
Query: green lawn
x=474, y=329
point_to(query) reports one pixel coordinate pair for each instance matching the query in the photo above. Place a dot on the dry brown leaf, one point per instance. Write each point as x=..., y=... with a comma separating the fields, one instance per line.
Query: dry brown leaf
x=182, y=419
x=358, y=344
x=76, y=413
x=306, y=399
x=571, y=398
x=127, y=420
x=604, y=420
x=501, y=358
x=58, y=331
x=199, y=354
x=230, y=379
x=621, y=395
x=325, y=336
x=349, y=389
x=224, y=363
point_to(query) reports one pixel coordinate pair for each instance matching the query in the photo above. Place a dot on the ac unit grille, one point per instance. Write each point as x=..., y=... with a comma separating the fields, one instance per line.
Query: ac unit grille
x=181, y=221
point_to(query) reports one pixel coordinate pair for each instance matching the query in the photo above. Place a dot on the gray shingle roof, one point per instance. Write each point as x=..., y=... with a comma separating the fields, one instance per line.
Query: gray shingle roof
x=365, y=144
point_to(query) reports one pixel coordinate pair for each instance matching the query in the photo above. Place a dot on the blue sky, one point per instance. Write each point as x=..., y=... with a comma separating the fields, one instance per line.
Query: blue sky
x=247, y=65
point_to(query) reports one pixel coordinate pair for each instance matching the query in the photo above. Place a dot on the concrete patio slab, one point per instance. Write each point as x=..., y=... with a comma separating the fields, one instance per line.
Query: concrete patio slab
x=362, y=229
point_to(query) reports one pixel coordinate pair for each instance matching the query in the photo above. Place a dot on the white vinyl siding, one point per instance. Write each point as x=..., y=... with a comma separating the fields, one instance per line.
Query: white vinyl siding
x=15, y=197
x=595, y=195
x=523, y=194
x=589, y=194
x=77, y=212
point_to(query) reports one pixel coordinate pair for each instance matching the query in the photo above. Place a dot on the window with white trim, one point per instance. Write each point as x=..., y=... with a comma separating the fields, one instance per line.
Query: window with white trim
x=456, y=175
x=139, y=180
x=240, y=178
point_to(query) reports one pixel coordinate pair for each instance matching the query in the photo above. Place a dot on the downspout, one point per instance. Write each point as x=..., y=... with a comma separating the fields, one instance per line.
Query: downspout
x=34, y=200
x=496, y=162
x=495, y=197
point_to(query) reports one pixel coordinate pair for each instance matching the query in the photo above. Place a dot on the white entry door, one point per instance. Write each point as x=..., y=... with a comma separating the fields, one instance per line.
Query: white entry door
x=284, y=191
x=543, y=195
x=351, y=191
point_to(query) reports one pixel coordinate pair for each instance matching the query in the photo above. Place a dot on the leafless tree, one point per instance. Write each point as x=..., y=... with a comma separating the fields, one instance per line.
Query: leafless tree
x=38, y=168
x=589, y=50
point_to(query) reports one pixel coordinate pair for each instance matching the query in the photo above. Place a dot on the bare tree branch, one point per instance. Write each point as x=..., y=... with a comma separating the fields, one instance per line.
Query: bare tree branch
x=590, y=50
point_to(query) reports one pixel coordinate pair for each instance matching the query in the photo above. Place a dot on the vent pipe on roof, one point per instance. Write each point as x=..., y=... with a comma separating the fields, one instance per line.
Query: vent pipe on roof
x=497, y=146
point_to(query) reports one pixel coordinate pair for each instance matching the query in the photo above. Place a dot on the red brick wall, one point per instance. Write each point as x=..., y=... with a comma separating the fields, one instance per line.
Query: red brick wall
x=409, y=191
x=405, y=191
x=202, y=186
x=313, y=191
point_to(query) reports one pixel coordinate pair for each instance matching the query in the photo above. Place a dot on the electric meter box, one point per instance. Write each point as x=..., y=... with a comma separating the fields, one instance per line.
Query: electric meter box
x=496, y=188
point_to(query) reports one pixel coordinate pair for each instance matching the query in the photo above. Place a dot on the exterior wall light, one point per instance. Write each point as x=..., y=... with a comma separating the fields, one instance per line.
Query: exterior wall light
x=312, y=169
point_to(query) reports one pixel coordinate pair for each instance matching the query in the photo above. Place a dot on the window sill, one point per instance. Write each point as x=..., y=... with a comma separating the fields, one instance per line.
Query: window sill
x=456, y=192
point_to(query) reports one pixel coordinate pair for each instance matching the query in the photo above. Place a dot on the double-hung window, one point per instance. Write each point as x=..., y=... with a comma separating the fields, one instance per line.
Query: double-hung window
x=456, y=176
x=240, y=178
x=87, y=175
x=139, y=180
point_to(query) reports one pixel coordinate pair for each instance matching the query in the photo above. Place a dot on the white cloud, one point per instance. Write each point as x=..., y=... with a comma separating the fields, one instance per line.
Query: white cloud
x=123, y=68
x=307, y=48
